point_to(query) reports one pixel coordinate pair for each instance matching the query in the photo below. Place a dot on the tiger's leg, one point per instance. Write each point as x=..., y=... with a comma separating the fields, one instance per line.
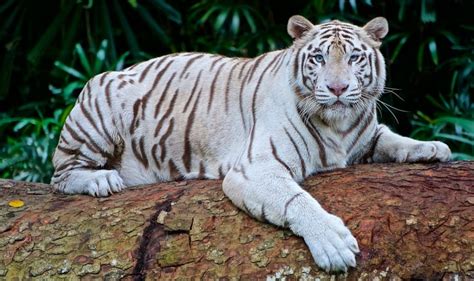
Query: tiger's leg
x=391, y=147
x=88, y=152
x=267, y=192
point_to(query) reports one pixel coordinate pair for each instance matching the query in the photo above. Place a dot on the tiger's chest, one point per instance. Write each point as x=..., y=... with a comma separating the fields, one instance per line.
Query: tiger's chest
x=343, y=146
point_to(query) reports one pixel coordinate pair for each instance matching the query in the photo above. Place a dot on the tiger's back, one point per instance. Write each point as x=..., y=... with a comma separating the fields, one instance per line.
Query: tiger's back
x=179, y=116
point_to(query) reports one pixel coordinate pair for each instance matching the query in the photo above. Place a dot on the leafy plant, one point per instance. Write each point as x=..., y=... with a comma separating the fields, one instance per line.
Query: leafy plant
x=457, y=131
x=454, y=121
x=28, y=157
x=32, y=40
x=237, y=28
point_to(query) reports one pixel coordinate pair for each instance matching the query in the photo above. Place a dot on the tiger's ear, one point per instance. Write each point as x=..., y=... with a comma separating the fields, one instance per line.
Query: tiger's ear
x=298, y=26
x=377, y=28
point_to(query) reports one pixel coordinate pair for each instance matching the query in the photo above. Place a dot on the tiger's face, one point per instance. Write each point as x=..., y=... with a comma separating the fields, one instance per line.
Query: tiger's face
x=338, y=70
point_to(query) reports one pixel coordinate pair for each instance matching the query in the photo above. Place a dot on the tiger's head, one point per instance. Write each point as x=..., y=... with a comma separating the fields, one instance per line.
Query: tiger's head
x=338, y=69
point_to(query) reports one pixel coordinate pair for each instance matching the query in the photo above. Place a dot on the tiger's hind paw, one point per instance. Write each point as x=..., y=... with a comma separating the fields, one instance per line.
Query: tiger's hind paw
x=98, y=183
x=105, y=184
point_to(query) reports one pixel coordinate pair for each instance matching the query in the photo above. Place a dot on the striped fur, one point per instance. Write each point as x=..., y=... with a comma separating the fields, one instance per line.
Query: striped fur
x=262, y=124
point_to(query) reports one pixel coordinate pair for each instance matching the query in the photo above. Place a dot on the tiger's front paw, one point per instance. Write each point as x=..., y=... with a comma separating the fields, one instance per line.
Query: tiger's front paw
x=427, y=151
x=331, y=243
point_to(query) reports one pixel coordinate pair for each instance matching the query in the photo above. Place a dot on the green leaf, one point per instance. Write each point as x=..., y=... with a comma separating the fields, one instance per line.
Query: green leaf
x=11, y=18
x=221, y=18
x=70, y=88
x=69, y=70
x=83, y=58
x=108, y=30
x=433, y=50
x=168, y=10
x=453, y=81
x=428, y=12
x=398, y=48
x=24, y=122
x=6, y=5
x=9, y=120
x=466, y=124
x=119, y=64
x=450, y=36
x=250, y=20
x=133, y=3
x=401, y=10
x=47, y=38
x=271, y=43
x=421, y=53
x=454, y=138
x=100, y=57
x=459, y=156
x=129, y=34
x=206, y=16
x=341, y=5
x=65, y=114
x=145, y=15
x=6, y=69
x=235, y=24
x=353, y=4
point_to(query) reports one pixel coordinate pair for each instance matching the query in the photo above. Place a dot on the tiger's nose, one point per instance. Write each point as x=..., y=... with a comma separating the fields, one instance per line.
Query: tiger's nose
x=337, y=89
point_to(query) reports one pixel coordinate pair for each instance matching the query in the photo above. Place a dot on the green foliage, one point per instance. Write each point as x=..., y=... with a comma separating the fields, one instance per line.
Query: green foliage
x=28, y=157
x=454, y=119
x=33, y=39
x=429, y=53
x=237, y=28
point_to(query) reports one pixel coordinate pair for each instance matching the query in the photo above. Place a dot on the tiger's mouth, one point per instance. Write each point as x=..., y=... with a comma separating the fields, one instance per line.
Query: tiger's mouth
x=338, y=106
x=339, y=102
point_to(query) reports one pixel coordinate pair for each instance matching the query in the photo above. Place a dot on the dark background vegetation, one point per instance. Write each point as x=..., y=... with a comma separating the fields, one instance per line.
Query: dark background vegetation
x=49, y=49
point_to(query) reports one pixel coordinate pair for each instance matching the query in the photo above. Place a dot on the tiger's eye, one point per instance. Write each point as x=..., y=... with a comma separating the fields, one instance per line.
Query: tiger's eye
x=354, y=58
x=319, y=58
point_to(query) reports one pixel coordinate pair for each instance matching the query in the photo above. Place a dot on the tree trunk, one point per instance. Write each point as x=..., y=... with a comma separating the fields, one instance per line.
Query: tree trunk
x=411, y=221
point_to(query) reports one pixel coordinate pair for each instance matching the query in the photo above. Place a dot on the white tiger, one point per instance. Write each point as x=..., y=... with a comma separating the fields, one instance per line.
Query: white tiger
x=261, y=124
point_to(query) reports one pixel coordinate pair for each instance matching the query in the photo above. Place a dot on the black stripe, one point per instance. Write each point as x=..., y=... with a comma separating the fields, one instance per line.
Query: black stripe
x=317, y=137
x=187, y=142
x=145, y=71
x=213, y=86
x=196, y=82
x=279, y=160
x=167, y=113
x=102, y=78
x=363, y=128
x=303, y=165
x=296, y=65
x=287, y=204
x=162, y=97
x=159, y=75
x=153, y=154
x=254, y=108
x=227, y=88
x=377, y=67
x=299, y=133
x=107, y=93
x=164, y=138
x=91, y=120
x=102, y=122
x=189, y=63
